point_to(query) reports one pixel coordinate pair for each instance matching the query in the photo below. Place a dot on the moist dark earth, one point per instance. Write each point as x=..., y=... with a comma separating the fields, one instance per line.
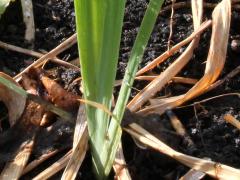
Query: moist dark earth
x=212, y=136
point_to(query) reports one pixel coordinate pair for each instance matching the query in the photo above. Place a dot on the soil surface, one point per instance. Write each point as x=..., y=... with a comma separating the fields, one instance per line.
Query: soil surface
x=212, y=136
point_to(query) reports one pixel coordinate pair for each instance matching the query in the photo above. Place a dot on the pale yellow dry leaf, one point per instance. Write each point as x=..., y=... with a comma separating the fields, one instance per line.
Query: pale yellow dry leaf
x=158, y=83
x=214, y=169
x=215, y=60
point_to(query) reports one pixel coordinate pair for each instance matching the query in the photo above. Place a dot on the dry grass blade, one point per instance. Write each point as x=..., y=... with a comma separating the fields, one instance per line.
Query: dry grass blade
x=216, y=170
x=176, y=123
x=215, y=61
x=14, y=101
x=53, y=53
x=180, y=5
x=119, y=166
x=182, y=80
x=232, y=120
x=80, y=144
x=174, y=79
x=38, y=161
x=13, y=170
x=54, y=168
x=193, y=175
x=158, y=83
x=175, y=48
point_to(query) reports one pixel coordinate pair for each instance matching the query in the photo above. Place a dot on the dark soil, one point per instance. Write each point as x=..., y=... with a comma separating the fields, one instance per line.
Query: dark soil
x=212, y=136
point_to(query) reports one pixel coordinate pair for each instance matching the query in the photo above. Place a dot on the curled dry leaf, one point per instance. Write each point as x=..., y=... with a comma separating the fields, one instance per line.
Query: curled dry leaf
x=215, y=60
x=60, y=96
x=14, y=102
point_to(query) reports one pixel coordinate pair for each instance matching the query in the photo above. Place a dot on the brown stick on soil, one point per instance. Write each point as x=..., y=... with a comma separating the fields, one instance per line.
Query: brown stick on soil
x=175, y=48
x=54, y=168
x=180, y=5
x=53, y=53
x=179, y=128
x=171, y=25
x=232, y=120
x=35, y=54
x=38, y=161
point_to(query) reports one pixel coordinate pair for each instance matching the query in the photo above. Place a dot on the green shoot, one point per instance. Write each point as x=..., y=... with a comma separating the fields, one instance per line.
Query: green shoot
x=99, y=25
x=3, y=5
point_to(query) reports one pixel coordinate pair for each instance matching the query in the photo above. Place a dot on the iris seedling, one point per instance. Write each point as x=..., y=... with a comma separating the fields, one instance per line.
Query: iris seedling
x=99, y=27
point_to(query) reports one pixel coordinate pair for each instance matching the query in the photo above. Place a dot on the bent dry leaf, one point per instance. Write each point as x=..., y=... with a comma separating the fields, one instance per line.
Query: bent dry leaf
x=158, y=83
x=215, y=60
x=14, y=101
x=214, y=169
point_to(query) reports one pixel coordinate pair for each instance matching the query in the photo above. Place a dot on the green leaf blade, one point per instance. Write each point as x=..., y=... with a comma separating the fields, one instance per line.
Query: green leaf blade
x=3, y=5
x=99, y=25
x=137, y=52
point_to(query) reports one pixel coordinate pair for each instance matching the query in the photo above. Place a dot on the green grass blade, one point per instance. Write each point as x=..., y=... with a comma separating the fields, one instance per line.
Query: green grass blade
x=13, y=87
x=135, y=57
x=99, y=25
x=3, y=5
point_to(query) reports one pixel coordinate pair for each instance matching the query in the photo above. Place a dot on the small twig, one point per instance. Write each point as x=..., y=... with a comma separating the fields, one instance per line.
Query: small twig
x=20, y=49
x=36, y=54
x=54, y=168
x=209, y=99
x=175, y=48
x=232, y=120
x=38, y=161
x=13, y=169
x=179, y=127
x=176, y=123
x=180, y=5
x=199, y=126
x=184, y=80
x=171, y=25
x=28, y=18
x=150, y=78
x=53, y=53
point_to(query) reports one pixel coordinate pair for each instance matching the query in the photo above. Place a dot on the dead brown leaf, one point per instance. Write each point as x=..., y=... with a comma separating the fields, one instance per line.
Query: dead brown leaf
x=60, y=96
